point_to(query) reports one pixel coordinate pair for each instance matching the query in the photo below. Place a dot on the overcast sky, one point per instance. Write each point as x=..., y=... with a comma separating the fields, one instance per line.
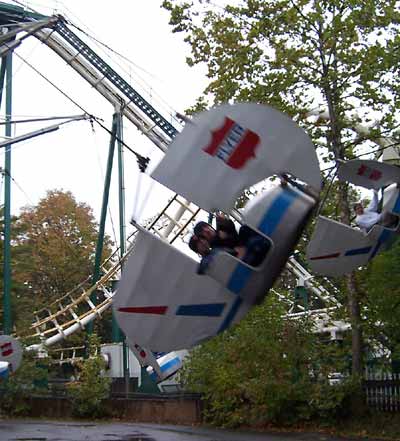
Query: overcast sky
x=74, y=158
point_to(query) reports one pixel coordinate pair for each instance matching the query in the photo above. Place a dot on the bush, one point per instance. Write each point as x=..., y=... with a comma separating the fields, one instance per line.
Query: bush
x=268, y=370
x=92, y=388
x=19, y=387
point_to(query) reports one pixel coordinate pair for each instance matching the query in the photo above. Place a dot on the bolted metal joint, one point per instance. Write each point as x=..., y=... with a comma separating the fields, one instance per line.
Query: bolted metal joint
x=142, y=163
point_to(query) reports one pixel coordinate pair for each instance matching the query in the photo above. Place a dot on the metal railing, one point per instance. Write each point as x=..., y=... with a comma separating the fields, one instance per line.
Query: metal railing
x=382, y=391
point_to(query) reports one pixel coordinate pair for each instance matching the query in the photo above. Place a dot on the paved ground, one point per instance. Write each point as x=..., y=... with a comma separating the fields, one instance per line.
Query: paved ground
x=24, y=430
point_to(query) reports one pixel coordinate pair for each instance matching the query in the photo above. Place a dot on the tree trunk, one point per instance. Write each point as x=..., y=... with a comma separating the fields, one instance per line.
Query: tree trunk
x=357, y=402
x=356, y=330
x=351, y=284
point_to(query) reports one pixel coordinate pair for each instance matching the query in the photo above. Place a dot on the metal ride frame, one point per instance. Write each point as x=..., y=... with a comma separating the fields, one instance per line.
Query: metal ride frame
x=76, y=309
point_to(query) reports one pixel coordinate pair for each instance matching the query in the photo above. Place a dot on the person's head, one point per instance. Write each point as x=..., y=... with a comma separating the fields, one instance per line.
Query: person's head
x=358, y=208
x=199, y=245
x=205, y=231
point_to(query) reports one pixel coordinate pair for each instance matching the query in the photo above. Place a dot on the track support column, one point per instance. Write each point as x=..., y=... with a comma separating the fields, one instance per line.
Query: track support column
x=7, y=316
x=103, y=216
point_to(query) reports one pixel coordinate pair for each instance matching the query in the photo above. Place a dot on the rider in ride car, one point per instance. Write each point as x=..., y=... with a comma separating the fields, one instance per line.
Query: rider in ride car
x=247, y=245
x=367, y=217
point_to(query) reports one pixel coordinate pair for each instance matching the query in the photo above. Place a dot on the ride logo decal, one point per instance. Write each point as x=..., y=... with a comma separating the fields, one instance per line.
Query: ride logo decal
x=233, y=144
x=369, y=173
x=6, y=349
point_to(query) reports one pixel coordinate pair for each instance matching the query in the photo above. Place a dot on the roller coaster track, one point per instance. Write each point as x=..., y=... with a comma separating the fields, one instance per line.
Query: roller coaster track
x=71, y=355
x=75, y=310
x=100, y=82
x=90, y=66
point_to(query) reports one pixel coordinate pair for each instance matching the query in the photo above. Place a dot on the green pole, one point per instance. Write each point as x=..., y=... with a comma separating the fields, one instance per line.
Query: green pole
x=7, y=318
x=121, y=186
x=116, y=332
x=122, y=241
x=2, y=76
x=103, y=216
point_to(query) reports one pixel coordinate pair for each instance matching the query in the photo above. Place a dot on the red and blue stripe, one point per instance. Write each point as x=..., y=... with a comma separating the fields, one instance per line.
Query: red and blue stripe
x=194, y=310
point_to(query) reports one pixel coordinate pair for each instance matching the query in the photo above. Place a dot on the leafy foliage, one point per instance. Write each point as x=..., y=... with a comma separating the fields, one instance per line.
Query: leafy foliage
x=381, y=281
x=92, y=388
x=59, y=238
x=25, y=381
x=268, y=369
x=16, y=255
x=53, y=251
x=298, y=55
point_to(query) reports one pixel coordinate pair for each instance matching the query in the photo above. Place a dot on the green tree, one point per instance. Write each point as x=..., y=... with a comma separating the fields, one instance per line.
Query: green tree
x=381, y=282
x=16, y=256
x=56, y=248
x=298, y=56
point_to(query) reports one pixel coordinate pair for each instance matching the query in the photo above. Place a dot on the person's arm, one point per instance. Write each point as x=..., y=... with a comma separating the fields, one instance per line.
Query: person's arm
x=360, y=221
x=373, y=205
x=204, y=263
x=226, y=225
x=368, y=220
